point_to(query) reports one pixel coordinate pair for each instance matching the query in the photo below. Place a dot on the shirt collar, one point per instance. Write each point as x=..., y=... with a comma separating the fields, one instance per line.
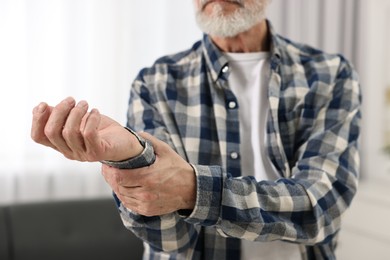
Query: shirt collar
x=217, y=61
x=214, y=57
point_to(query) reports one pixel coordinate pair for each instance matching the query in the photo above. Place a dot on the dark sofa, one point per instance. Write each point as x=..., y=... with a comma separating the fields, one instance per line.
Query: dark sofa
x=82, y=229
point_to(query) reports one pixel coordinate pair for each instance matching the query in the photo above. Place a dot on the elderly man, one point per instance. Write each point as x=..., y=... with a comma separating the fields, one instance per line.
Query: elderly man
x=246, y=145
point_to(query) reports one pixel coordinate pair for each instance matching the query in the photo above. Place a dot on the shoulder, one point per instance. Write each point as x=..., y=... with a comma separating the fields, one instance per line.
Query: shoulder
x=299, y=57
x=177, y=65
x=312, y=78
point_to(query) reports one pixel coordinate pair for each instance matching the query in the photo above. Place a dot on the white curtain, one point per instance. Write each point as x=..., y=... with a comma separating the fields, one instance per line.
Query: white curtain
x=92, y=50
x=88, y=49
x=331, y=25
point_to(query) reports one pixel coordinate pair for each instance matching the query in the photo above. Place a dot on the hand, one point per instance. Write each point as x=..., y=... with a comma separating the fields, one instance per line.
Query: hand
x=169, y=184
x=82, y=135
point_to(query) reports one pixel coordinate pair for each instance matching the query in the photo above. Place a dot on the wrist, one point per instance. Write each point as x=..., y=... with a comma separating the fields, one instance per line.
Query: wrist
x=137, y=145
x=190, y=192
x=145, y=155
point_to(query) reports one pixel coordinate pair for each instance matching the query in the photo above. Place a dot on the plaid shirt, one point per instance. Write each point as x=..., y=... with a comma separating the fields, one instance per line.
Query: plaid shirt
x=312, y=133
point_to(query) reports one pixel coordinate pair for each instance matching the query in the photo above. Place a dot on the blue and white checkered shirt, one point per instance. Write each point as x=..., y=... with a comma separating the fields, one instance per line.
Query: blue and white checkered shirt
x=312, y=133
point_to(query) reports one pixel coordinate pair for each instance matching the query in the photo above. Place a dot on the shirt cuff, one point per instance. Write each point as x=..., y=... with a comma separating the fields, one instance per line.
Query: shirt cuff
x=146, y=158
x=208, y=196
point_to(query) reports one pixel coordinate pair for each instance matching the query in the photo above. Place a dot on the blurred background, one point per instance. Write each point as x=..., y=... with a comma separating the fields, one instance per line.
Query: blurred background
x=93, y=49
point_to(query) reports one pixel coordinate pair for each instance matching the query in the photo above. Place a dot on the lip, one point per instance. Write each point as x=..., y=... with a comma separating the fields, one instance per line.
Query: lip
x=219, y=1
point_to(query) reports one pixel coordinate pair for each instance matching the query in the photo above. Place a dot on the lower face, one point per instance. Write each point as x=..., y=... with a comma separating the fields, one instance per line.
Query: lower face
x=227, y=18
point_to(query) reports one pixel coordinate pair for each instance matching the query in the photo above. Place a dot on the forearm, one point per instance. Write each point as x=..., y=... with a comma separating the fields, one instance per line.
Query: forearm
x=288, y=209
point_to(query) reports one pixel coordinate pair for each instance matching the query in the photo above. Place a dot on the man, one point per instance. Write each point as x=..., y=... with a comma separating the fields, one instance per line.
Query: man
x=248, y=149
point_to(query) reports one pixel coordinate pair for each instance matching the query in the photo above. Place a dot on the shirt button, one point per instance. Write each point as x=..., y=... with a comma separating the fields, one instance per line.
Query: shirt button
x=232, y=104
x=225, y=69
x=234, y=155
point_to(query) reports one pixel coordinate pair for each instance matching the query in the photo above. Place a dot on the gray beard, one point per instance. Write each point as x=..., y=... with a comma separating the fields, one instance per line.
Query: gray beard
x=221, y=25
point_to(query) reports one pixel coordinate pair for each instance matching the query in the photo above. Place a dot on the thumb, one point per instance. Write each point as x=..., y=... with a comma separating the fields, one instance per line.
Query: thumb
x=158, y=145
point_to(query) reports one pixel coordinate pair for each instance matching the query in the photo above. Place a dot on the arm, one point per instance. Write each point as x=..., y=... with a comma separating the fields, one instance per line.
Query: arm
x=141, y=192
x=307, y=207
x=89, y=136
x=81, y=135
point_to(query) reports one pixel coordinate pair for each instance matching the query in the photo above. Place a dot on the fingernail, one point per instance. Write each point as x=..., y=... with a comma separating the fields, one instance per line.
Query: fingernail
x=82, y=104
x=41, y=107
x=95, y=111
x=69, y=100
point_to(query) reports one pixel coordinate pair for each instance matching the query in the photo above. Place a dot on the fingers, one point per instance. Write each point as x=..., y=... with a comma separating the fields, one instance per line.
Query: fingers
x=149, y=137
x=140, y=201
x=113, y=181
x=90, y=132
x=56, y=123
x=63, y=127
x=41, y=114
x=128, y=184
x=159, y=146
x=111, y=178
x=140, y=207
x=126, y=178
x=71, y=131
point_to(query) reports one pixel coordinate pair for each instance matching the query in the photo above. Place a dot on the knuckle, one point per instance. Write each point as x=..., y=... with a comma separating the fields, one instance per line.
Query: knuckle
x=69, y=156
x=37, y=138
x=49, y=131
x=87, y=134
x=68, y=132
x=34, y=135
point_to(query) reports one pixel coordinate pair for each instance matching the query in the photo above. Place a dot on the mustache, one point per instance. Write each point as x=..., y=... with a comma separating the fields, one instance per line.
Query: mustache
x=204, y=2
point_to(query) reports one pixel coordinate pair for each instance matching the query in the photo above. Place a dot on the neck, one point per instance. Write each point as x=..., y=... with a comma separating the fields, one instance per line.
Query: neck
x=254, y=40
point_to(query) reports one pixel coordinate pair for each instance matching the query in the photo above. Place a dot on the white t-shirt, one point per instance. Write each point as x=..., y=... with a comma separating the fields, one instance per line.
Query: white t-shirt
x=249, y=77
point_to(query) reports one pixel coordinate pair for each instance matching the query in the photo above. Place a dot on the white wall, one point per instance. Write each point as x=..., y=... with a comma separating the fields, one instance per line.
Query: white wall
x=88, y=49
x=375, y=75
